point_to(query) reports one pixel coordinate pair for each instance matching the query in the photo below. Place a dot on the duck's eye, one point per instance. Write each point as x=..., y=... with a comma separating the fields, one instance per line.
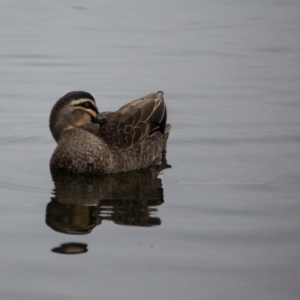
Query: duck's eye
x=87, y=105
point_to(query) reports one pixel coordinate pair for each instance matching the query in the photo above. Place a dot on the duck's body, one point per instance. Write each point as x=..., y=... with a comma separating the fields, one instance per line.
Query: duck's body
x=130, y=138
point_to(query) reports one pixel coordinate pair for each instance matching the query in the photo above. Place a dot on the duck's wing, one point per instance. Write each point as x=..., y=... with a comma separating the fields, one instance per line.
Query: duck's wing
x=134, y=121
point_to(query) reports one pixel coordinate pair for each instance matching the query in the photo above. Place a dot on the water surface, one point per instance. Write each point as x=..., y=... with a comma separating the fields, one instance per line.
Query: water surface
x=223, y=222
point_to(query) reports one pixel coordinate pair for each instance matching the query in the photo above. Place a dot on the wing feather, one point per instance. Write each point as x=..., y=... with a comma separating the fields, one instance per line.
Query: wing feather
x=133, y=122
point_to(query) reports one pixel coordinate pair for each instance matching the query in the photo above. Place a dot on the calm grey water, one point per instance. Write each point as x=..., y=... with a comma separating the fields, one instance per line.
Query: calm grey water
x=223, y=222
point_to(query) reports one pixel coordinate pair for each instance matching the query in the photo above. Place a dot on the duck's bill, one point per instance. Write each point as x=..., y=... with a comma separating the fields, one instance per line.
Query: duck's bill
x=99, y=119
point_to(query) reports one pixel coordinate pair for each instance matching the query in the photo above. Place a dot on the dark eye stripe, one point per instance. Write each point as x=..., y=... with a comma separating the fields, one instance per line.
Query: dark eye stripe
x=88, y=105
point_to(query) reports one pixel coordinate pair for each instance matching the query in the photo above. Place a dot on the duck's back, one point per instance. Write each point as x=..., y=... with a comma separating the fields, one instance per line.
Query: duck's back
x=133, y=122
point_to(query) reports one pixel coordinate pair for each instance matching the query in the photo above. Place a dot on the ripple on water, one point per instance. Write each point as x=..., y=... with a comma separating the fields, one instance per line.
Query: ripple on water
x=224, y=138
x=238, y=159
x=25, y=167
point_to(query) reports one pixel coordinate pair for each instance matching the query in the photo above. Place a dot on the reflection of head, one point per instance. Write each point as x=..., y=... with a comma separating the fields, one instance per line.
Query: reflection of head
x=70, y=219
x=81, y=202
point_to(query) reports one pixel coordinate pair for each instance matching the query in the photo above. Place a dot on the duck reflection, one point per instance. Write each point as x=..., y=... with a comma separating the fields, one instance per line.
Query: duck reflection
x=82, y=202
x=71, y=248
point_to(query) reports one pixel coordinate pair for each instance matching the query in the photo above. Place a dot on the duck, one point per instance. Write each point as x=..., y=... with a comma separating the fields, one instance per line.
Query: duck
x=93, y=142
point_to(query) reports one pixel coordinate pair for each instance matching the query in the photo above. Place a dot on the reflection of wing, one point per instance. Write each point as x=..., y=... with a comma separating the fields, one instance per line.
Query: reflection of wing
x=134, y=122
x=135, y=187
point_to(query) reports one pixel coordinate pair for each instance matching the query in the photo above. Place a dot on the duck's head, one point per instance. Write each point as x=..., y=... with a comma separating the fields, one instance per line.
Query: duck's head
x=73, y=110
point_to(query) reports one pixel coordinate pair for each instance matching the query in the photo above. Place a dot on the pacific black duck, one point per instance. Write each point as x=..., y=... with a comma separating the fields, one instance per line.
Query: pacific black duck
x=89, y=142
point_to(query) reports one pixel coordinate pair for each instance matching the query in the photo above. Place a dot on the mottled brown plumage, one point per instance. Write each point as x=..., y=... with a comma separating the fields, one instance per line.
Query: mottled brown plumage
x=130, y=138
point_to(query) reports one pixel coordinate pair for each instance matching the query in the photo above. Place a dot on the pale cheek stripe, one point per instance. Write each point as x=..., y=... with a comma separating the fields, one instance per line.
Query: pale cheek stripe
x=79, y=101
x=92, y=112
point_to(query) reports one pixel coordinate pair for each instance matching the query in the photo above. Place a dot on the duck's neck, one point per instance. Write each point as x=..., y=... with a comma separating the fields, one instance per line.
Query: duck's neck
x=58, y=128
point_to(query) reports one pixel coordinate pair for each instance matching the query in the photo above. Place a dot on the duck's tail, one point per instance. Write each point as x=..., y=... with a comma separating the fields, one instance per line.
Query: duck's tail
x=168, y=128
